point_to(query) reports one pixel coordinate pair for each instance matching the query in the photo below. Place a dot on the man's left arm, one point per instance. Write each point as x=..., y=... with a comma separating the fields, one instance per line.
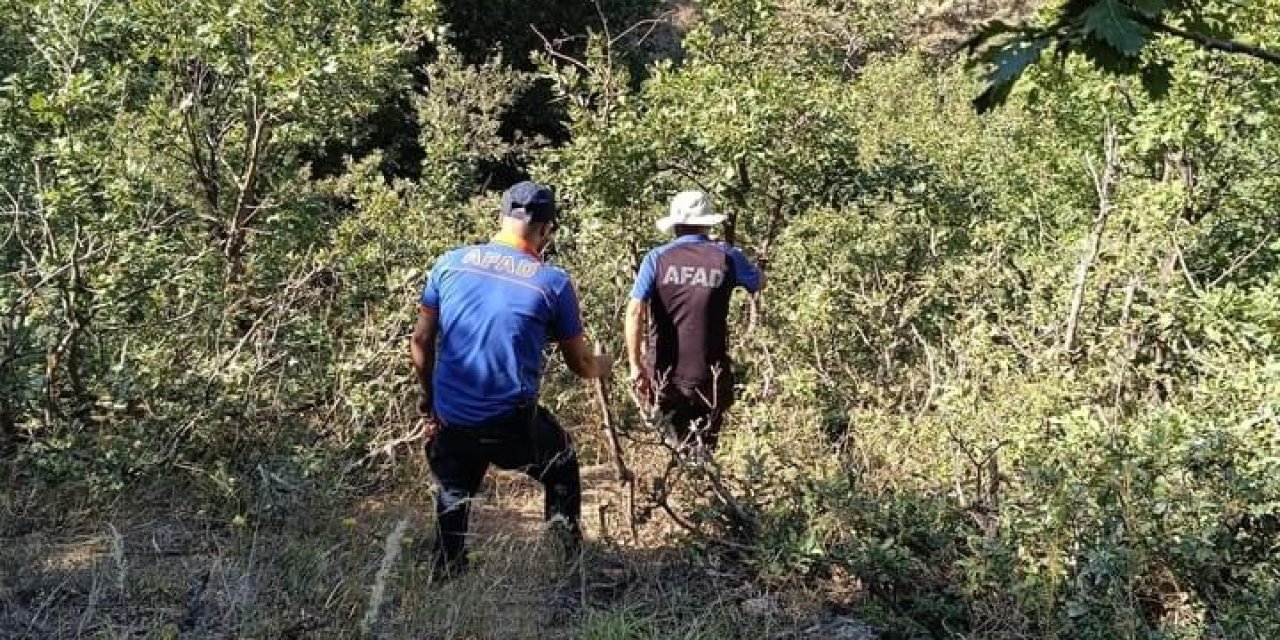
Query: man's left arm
x=749, y=275
x=566, y=330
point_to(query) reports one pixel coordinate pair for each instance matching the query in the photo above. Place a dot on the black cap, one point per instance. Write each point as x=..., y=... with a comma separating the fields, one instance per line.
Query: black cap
x=529, y=201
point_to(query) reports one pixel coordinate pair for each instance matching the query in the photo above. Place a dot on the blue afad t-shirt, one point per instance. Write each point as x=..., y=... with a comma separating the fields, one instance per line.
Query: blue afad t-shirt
x=498, y=307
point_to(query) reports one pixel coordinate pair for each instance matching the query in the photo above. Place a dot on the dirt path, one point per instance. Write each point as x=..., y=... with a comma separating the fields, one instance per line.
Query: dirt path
x=515, y=587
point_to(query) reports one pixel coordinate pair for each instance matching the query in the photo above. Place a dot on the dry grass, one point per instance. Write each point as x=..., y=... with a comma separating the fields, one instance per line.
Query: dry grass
x=160, y=567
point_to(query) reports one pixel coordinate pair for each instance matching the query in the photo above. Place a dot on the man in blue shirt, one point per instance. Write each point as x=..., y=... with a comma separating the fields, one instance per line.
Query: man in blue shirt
x=683, y=288
x=485, y=315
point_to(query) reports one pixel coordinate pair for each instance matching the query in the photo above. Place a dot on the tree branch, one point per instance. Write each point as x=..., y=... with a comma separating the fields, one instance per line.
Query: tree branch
x=1103, y=184
x=1209, y=42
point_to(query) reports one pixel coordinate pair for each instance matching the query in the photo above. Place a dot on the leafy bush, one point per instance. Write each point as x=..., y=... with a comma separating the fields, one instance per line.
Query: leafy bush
x=1017, y=373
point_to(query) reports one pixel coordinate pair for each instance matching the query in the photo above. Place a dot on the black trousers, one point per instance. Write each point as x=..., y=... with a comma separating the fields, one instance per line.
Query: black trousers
x=696, y=414
x=528, y=440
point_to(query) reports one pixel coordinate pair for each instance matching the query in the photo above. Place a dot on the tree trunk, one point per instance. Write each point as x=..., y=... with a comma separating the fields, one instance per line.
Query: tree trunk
x=247, y=201
x=8, y=413
x=737, y=201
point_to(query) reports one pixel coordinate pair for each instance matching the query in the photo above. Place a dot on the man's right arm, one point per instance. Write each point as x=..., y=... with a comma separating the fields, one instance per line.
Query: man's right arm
x=646, y=286
x=422, y=349
x=637, y=317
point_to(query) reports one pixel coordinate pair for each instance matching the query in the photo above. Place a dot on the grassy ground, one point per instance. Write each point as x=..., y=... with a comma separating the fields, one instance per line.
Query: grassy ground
x=157, y=567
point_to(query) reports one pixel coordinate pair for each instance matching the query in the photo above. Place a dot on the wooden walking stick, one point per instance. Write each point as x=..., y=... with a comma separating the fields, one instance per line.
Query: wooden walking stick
x=624, y=475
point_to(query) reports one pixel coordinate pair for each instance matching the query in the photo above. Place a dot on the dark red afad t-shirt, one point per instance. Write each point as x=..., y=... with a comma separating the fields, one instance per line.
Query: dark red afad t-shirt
x=687, y=284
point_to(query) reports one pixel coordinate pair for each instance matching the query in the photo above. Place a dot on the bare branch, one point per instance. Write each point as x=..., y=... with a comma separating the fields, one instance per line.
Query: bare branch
x=389, y=447
x=687, y=174
x=1186, y=273
x=1242, y=260
x=651, y=23
x=1103, y=185
x=551, y=50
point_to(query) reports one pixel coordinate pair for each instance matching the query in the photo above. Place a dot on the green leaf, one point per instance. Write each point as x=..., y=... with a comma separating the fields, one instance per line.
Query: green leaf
x=1110, y=59
x=1156, y=79
x=1150, y=8
x=1113, y=23
x=1010, y=61
x=1007, y=65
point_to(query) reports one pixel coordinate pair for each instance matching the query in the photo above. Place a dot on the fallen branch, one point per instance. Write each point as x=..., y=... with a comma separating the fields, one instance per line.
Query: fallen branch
x=391, y=553
x=389, y=448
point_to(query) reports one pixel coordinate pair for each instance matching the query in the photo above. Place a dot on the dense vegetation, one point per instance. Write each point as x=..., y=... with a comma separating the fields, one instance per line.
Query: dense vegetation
x=1017, y=372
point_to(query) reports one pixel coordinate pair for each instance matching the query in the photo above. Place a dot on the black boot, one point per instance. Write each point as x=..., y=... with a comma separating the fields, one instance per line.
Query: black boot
x=446, y=566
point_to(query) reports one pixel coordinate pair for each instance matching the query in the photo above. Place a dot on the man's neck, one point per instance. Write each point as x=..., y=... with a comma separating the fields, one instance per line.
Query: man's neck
x=690, y=237
x=506, y=237
x=682, y=230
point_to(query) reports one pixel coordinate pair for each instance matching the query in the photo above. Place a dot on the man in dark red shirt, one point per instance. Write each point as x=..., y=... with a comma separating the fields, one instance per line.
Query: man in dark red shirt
x=683, y=290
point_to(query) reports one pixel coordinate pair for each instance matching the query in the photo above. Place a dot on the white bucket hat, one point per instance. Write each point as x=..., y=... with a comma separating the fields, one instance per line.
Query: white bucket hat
x=692, y=208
